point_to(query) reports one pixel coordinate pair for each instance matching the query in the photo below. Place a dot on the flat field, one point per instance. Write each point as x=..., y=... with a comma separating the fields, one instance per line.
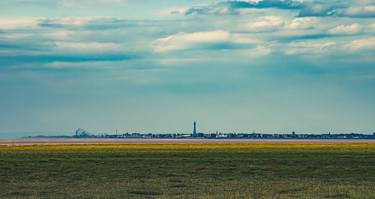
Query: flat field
x=182, y=170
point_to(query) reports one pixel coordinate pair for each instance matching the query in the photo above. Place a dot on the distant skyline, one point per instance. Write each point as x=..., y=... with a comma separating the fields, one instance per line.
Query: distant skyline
x=156, y=66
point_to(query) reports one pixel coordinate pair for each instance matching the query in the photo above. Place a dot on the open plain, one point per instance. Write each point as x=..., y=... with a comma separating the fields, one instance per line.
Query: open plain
x=187, y=169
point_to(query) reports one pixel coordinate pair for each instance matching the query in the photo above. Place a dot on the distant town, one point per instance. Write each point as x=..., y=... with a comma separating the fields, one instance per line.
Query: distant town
x=81, y=133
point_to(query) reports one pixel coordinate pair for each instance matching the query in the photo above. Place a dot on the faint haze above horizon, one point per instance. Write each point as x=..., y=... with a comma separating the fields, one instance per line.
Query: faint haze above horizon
x=156, y=66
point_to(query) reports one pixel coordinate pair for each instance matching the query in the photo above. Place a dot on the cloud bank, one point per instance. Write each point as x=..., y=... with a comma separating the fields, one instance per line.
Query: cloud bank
x=146, y=63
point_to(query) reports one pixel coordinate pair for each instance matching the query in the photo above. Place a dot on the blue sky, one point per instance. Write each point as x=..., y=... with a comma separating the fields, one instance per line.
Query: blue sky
x=146, y=65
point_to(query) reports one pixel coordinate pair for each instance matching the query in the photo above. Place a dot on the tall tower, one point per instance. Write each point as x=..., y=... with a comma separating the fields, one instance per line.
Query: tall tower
x=195, y=129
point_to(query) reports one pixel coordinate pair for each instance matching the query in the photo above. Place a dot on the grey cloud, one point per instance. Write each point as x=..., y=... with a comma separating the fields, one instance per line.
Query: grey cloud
x=231, y=7
x=318, y=9
x=360, y=11
x=338, y=9
x=305, y=8
x=32, y=44
x=64, y=58
x=94, y=23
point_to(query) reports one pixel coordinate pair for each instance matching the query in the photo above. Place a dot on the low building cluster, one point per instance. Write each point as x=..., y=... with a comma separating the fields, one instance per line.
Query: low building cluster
x=80, y=133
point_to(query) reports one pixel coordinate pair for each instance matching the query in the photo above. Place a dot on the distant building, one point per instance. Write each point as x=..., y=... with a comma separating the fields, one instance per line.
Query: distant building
x=81, y=133
x=195, y=129
x=294, y=135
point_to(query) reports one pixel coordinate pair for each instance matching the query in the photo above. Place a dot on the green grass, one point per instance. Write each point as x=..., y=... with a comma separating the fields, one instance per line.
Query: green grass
x=188, y=171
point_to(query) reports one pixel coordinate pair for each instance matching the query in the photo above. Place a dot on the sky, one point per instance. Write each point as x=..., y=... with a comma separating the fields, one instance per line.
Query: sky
x=156, y=66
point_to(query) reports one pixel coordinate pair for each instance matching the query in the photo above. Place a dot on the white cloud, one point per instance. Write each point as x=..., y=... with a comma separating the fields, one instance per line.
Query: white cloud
x=183, y=41
x=251, y=1
x=70, y=21
x=362, y=44
x=281, y=23
x=88, y=46
x=86, y=3
x=303, y=23
x=62, y=34
x=18, y=22
x=372, y=27
x=264, y=24
x=177, y=10
x=360, y=11
x=72, y=65
x=309, y=47
x=259, y=51
x=354, y=28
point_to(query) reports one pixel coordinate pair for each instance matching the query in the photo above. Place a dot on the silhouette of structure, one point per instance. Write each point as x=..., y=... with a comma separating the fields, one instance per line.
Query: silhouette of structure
x=195, y=129
x=81, y=133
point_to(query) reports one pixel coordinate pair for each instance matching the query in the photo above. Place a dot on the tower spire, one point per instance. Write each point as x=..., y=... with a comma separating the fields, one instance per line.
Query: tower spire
x=195, y=129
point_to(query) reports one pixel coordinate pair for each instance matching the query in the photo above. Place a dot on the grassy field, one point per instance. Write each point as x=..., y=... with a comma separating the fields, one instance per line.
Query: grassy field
x=188, y=171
